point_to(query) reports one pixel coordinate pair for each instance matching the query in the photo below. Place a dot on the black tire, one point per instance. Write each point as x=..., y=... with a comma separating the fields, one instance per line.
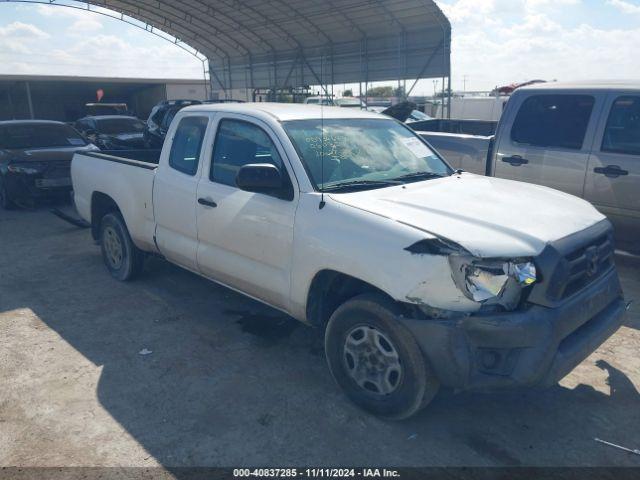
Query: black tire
x=5, y=201
x=130, y=262
x=415, y=385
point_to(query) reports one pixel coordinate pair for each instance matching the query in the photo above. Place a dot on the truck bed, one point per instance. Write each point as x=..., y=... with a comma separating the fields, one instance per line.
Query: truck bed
x=465, y=144
x=483, y=128
x=466, y=152
x=126, y=181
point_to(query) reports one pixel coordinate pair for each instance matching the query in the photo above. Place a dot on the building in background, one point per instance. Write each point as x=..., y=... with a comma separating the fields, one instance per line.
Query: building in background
x=64, y=98
x=473, y=107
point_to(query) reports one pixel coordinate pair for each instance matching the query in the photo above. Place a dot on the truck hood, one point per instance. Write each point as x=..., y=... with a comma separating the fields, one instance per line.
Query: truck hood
x=490, y=217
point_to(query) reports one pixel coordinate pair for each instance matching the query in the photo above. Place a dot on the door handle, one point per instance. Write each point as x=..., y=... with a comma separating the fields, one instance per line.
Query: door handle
x=207, y=203
x=611, y=171
x=515, y=160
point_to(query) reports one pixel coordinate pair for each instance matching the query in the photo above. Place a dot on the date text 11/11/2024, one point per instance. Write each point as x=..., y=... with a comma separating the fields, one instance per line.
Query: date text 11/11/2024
x=316, y=473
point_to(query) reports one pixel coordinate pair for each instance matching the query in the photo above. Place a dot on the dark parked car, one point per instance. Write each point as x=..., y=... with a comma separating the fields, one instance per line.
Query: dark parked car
x=160, y=119
x=113, y=132
x=35, y=160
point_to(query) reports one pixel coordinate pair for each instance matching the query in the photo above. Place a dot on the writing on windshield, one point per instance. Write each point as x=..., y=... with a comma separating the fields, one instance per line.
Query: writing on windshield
x=362, y=150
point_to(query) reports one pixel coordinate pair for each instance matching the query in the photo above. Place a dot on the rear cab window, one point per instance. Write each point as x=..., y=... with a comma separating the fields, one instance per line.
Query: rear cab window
x=622, y=132
x=553, y=121
x=187, y=144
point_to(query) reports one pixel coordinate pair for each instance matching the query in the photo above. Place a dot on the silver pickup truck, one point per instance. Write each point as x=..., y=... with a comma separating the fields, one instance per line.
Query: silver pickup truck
x=583, y=139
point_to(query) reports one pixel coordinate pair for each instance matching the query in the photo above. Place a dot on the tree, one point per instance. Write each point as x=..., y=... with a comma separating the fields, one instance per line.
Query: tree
x=380, y=92
x=446, y=93
x=347, y=93
x=284, y=98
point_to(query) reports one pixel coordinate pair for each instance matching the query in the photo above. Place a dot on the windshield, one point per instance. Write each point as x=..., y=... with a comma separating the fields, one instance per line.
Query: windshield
x=117, y=126
x=30, y=135
x=362, y=150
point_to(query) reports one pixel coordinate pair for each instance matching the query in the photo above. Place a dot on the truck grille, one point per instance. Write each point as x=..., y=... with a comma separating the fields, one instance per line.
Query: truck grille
x=579, y=268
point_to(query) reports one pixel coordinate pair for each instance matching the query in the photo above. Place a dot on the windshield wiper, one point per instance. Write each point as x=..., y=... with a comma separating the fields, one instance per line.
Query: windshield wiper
x=418, y=176
x=357, y=184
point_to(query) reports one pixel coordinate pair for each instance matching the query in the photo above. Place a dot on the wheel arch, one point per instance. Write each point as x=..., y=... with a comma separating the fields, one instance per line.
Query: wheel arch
x=330, y=288
x=101, y=205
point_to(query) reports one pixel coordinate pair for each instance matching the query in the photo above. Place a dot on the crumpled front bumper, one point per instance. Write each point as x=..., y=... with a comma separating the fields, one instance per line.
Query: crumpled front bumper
x=534, y=347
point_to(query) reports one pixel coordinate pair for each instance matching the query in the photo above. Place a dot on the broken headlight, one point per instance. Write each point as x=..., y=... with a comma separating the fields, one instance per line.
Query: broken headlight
x=493, y=281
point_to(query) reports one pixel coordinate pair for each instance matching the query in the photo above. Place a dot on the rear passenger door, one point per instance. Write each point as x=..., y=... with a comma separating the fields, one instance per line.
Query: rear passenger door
x=245, y=238
x=549, y=141
x=175, y=188
x=613, y=176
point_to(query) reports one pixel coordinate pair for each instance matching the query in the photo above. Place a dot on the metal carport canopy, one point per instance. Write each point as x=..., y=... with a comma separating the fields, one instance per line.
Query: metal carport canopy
x=293, y=43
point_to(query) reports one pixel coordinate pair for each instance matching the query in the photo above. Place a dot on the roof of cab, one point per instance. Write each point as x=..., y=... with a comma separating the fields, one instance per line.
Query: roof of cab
x=587, y=85
x=285, y=111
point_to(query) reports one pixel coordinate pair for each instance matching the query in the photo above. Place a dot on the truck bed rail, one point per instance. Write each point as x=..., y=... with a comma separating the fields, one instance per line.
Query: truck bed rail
x=136, y=158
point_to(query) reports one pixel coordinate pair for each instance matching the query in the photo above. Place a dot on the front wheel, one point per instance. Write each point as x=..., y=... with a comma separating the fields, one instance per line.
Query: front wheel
x=376, y=360
x=122, y=258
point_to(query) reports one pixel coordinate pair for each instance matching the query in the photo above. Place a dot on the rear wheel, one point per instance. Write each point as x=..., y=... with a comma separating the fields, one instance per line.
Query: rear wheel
x=122, y=258
x=376, y=360
x=5, y=201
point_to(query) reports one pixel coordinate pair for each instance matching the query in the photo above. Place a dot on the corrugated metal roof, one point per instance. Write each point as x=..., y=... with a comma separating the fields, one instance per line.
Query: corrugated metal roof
x=289, y=43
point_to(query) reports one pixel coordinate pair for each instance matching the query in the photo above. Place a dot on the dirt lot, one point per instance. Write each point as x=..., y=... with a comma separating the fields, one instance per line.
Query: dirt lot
x=230, y=382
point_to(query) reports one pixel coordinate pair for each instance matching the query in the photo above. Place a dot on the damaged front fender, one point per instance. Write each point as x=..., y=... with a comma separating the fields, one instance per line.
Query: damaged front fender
x=466, y=282
x=436, y=290
x=436, y=246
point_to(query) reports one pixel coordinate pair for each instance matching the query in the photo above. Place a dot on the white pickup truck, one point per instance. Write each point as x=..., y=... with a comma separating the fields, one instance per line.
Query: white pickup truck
x=346, y=220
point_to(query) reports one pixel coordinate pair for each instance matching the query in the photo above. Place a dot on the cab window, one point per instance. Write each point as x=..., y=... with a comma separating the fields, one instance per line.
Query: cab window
x=558, y=121
x=241, y=143
x=187, y=144
x=622, y=134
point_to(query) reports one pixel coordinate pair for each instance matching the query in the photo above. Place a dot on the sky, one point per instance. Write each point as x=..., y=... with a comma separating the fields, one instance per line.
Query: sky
x=494, y=42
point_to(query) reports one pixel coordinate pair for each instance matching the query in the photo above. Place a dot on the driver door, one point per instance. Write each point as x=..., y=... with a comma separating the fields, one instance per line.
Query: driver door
x=245, y=239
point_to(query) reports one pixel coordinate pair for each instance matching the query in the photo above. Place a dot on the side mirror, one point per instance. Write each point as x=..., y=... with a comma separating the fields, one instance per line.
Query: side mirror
x=259, y=178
